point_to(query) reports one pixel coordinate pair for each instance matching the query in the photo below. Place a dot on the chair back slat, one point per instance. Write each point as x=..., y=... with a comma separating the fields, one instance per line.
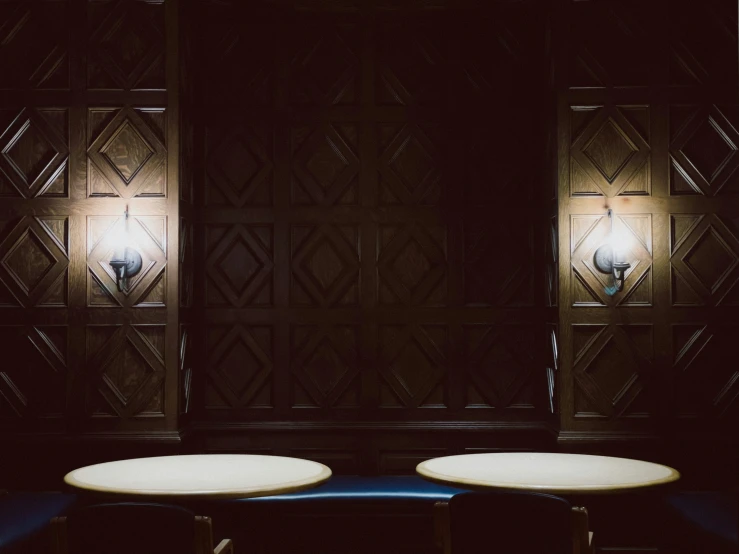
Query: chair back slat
x=129, y=528
x=509, y=523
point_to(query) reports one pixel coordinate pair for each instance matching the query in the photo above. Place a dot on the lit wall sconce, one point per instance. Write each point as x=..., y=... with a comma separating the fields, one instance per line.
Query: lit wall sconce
x=610, y=258
x=126, y=260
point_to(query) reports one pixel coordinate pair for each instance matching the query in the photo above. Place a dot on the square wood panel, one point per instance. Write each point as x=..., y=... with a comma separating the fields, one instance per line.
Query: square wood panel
x=126, y=371
x=239, y=366
x=706, y=378
x=588, y=233
x=325, y=366
x=34, y=385
x=127, y=152
x=704, y=262
x=34, y=262
x=148, y=236
x=126, y=45
x=34, y=151
x=613, y=367
x=610, y=151
x=240, y=265
x=35, y=45
x=325, y=265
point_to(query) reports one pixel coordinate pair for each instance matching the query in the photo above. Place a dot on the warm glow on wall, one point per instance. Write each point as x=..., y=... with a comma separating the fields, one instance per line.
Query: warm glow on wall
x=611, y=256
x=126, y=261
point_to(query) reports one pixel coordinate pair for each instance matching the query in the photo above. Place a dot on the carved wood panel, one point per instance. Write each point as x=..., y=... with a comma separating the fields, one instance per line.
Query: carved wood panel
x=696, y=36
x=588, y=283
x=127, y=370
x=127, y=152
x=126, y=45
x=652, y=134
x=239, y=366
x=612, y=369
x=35, y=53
x=610, y=151
x=84, y=135
x=34, y=261
x=707, y=382
x=610, y=42
x=34, y=384
x=354, y=242
x=34, y=153
x=148, y=236
x=703, y=150
x=705, y=261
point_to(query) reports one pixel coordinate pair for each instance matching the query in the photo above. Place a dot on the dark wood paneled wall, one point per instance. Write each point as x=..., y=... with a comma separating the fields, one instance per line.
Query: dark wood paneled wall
x=369, y=228
x=647, y=125
x=88, y=106
x=369, y=252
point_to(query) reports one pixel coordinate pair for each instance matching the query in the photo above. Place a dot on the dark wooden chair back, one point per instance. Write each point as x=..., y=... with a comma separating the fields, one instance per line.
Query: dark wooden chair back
x=510, y=523
x=134, y=528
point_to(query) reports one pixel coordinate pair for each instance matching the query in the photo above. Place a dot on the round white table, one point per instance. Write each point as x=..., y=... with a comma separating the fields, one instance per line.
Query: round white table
x=552, y=473
x=200, y=476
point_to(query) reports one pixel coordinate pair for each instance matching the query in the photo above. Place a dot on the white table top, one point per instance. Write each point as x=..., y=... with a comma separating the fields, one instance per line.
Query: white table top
x=203, y=476
x=546, y=472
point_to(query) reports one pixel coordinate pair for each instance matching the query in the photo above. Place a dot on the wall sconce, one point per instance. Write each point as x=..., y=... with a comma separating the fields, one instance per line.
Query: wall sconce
x=610, y=258
x=126, y=260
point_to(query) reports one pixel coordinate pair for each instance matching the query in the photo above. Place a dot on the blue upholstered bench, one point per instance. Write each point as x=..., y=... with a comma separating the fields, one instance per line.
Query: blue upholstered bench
x=25, y=515
x=711, y=519
x=367, y=514
x=351, y=488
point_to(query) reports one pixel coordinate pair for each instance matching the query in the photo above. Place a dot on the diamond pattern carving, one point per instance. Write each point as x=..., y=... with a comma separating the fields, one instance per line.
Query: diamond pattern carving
x=144, y=237
x=31, y=261
x=588, y=234
x=240, y=265
x=326, y=362
x=127, y=153
x=407, y=166
x=705, y=150
x=325, y=265
x=608, y=45
x=411, y=363
x=239, y=166
x=407, y=68
x=127, y=371
x=324, y=69
x=412, y=264
x=609, y=150
x=238, y=70
x=707, y=260
x=35, y=44
x=698, y=38
x=128, y=44
x=707, y=385
x=500, y=362
x=325, y=165
x=611, y=370
x=486, y=280
x=612, y=152
x=239, y=367
x=33, y=153
x=31, y=385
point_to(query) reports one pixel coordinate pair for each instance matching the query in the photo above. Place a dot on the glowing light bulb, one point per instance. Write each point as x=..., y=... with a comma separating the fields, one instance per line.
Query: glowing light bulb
x=620, y=242
x=126, y=261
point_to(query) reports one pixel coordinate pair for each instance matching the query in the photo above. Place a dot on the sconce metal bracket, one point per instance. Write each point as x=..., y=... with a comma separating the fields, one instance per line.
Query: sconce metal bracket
x=133, y=262
x=127, y=266
x=603, y=259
